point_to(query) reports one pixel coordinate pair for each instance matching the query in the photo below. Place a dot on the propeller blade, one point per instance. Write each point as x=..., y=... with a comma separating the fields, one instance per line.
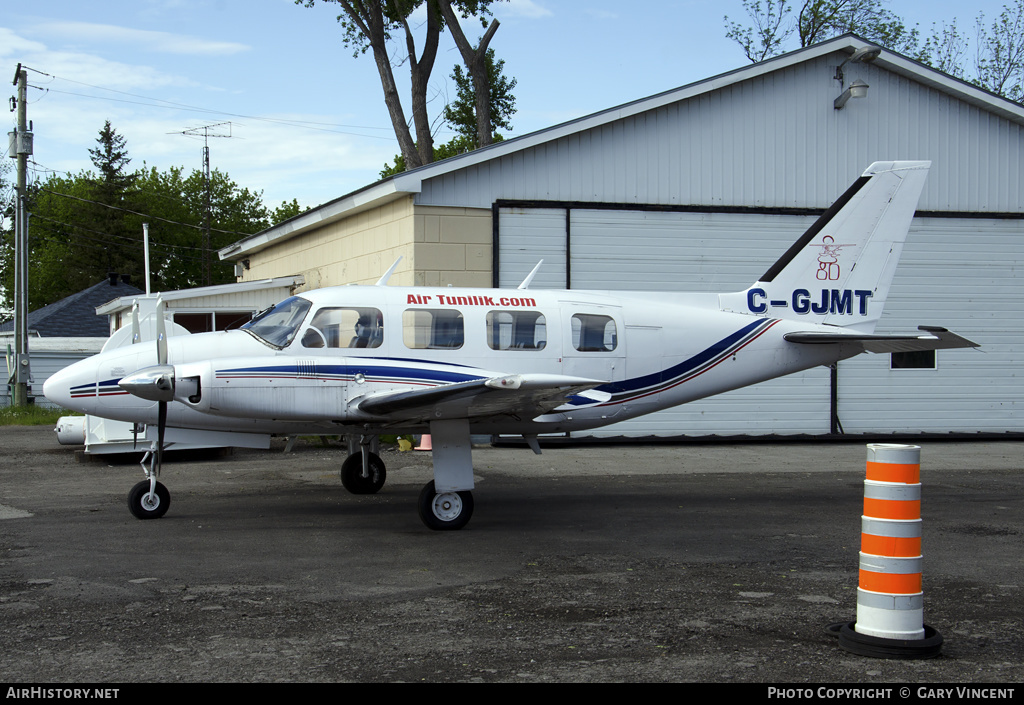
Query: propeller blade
x=161, y=426
x=161, y=334
x=136, y=329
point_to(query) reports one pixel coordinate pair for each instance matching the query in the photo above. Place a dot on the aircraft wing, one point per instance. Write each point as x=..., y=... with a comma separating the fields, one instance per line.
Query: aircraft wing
x=933, y=338
x=526, y=396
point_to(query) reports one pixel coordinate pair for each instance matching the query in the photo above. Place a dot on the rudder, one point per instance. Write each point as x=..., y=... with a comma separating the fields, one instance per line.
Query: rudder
x=840, y=269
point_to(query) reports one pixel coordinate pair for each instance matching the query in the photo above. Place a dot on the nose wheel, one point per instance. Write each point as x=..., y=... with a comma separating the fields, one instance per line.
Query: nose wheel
x=146, y=502
x=445, y=511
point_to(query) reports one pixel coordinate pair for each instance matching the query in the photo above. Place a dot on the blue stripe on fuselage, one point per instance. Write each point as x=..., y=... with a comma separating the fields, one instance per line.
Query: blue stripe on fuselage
x=345, y=371
x=651, y=382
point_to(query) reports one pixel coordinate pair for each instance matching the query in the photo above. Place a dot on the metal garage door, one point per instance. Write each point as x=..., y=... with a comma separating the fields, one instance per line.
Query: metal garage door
x=957, y=273
x=672, y=251
x=962, y=274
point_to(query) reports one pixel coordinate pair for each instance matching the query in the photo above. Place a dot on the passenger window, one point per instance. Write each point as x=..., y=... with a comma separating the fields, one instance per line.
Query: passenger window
x=593, y=333
x=345, y=328
x=516, y=330
x=432, y=329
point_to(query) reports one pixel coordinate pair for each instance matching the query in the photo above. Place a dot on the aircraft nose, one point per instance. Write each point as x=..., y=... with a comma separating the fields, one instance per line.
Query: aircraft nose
x=68, y=387
x=57, y=389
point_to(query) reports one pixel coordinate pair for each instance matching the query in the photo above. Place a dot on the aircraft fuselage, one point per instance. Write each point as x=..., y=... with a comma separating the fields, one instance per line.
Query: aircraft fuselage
x=305, y=375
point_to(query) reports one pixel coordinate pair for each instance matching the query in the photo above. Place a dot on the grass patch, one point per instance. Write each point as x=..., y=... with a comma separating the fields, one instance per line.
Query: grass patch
x=31, y=415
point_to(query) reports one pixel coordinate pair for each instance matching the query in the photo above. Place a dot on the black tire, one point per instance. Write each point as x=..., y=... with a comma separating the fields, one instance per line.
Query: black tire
x=144, y=507
x=447, y=511
x=352, y=474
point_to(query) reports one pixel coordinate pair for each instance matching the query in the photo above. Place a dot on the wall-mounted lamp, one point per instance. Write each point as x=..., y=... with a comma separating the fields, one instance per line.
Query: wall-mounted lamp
x=863, y=55
x=857, y=89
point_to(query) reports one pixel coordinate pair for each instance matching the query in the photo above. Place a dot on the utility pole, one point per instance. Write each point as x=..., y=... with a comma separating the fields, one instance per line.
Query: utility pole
x=21, y=148
x=205, y=132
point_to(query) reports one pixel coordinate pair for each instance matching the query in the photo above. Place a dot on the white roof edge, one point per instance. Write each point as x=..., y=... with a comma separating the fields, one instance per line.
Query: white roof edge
x=126, y=302
x=411, y=182
x=367, y=197
x=897, y=63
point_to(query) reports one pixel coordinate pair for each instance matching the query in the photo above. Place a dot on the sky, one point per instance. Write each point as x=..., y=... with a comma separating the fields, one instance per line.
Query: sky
x=292, y=114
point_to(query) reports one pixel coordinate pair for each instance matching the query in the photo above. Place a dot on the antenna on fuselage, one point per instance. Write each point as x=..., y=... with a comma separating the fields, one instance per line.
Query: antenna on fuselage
x=387, y=275
x=529, y=277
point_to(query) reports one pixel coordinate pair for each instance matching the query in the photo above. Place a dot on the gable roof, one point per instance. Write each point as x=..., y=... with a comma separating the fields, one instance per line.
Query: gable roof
x=75, y=316
x=411, y=182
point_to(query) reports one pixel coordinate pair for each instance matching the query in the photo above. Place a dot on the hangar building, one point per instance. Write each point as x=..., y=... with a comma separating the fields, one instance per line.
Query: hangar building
x=702, y=188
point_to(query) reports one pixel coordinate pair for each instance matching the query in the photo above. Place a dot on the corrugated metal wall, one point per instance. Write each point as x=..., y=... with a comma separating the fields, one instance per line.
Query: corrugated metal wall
x=959, y=273
x=774, y=141
x=964, y=275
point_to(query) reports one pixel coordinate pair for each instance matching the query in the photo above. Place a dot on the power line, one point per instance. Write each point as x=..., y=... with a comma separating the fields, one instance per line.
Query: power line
x=109, y=243
x=104, y=245
x=171, y=105
x=144, y=215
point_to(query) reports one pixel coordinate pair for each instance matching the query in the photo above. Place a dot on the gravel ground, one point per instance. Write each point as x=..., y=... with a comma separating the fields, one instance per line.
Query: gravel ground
x=717, y=563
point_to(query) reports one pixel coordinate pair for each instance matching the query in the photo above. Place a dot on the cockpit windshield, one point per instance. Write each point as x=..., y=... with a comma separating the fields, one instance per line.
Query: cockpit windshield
x=278, y=325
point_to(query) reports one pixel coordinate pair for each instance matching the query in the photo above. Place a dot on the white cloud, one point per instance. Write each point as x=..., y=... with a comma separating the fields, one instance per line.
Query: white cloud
x=523, y=8
x=163, y=42
x=12, y=45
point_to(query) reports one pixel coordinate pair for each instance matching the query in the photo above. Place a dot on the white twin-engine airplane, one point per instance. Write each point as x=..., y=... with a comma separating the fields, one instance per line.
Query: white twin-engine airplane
x=367, y=360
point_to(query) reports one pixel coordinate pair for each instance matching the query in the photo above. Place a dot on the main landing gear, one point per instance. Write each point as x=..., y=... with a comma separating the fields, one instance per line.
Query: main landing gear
x=446, y=502
x=444, y=511
x=363, y=473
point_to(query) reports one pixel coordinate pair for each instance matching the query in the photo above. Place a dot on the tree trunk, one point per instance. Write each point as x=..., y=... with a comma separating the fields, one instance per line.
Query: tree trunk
x=476, y=63
x=420, y=76
x=371, y=23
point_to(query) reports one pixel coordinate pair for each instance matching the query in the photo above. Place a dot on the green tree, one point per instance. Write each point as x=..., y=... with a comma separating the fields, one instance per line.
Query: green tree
x=369, y=25
x=475, y=59
x=773, y=24
x=85, y=225
x=285, y=211
x=460, y=114
x=999, y=47
x=999, y=60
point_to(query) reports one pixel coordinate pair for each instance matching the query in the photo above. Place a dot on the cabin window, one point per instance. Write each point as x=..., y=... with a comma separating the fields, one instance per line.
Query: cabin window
x=516, y=330
x=278, y=325
x=432, y=329
x=335, y=327
x=593, y=333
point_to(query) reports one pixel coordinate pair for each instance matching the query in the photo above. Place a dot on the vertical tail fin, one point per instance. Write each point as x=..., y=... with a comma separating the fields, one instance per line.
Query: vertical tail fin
x=840, y=270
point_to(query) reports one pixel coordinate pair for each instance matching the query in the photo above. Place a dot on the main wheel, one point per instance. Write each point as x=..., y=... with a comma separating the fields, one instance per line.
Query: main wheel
x=352, y=474
x=445, y=511
x=143, y=505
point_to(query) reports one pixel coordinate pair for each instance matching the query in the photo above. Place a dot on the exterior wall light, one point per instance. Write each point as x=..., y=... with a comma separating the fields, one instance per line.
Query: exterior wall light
x=857, y=89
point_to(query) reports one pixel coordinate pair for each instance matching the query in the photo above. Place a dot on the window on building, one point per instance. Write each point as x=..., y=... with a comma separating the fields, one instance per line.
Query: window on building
x=206, y=321
x=432, y=329
x=593, y=333
x=516, y=330
x=916, y=360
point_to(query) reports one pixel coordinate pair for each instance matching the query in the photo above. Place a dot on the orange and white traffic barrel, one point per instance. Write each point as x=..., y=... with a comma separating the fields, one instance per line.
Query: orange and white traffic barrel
x=890, y=599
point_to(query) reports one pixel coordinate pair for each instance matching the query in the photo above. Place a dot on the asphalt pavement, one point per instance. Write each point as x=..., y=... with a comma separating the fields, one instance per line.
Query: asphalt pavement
x=637, y=563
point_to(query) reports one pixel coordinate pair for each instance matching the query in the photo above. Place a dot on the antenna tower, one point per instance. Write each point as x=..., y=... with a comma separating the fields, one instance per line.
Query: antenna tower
x=206, y=132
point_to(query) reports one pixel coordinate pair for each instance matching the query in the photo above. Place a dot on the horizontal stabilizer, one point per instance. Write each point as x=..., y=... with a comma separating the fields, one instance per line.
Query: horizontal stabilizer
x=525, y=395
x=933, y=339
